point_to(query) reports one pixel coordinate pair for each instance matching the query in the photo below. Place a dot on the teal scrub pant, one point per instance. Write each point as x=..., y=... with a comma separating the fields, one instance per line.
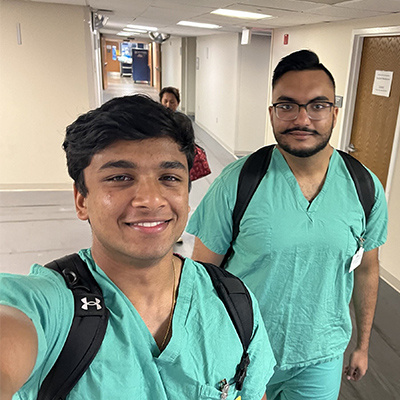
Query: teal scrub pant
x=319, y=381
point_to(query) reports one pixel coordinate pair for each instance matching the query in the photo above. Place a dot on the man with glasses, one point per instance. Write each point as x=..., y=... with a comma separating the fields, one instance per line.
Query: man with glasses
x=300, y=239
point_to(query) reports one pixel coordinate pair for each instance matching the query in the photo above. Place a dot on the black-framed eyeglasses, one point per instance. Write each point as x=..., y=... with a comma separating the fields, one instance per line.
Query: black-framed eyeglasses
x=316, y=110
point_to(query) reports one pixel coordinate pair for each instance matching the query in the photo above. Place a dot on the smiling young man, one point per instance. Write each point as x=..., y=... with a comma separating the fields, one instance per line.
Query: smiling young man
x=298, y=237
x=169, y=336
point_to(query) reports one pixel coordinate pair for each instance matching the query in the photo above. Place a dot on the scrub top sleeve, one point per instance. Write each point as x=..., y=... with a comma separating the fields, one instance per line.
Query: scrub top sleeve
x=376, y=229
x=41, y=298
x=262, y=360
x=212, y=220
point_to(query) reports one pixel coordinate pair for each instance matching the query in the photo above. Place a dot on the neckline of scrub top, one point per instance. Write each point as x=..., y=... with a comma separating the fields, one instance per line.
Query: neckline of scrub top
x=304, y=204
x=183, y=300
x=178, y=339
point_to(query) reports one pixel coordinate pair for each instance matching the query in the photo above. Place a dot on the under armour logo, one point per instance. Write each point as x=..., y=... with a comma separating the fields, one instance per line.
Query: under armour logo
x=86, y=303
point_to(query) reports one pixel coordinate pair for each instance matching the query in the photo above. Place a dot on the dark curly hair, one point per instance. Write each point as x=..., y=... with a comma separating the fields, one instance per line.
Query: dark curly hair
x=134, y=117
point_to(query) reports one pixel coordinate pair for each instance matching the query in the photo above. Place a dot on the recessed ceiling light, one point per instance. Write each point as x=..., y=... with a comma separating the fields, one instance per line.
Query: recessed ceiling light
x=198, y=25
x=135, y=30
x=146, y=28
x=239, y=14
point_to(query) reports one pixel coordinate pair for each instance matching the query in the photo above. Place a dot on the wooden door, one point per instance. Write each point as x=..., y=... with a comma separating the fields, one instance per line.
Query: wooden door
x=104, y=63
x=112, y=52
x=375, y=117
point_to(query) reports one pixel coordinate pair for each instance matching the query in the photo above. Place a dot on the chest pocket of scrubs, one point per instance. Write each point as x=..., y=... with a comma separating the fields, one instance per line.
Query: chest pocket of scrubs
x=210, y=392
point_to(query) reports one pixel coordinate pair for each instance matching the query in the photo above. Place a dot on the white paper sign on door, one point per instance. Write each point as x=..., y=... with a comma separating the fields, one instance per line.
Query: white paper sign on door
x=382, y=83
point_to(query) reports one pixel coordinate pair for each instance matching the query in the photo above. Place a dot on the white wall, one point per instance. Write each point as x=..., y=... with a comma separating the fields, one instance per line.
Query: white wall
x=171, y=64
x=254, y=60
x=389, y=255
x=333, y=43
x=217, y=86
x=44, y=86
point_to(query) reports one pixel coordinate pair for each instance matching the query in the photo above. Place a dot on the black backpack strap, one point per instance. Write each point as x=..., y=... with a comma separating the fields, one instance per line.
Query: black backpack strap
x=362, y=180
x=87, y=330
x=236, y=298
x=252, y=172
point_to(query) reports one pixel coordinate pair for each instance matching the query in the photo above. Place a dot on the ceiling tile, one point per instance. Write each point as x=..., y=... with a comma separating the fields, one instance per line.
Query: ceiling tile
x=337, y=11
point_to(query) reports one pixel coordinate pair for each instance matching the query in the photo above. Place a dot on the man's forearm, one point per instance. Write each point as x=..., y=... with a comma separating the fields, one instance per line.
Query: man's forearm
x=366, y=282
x=18, y=349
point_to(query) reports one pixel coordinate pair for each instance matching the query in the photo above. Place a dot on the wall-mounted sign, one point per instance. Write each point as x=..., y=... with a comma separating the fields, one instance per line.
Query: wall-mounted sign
x=382, y=83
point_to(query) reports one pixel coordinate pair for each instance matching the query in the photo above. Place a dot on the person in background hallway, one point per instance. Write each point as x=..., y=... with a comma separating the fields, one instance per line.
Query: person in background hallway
x=170, y=97
x=298, y=237
x=169, y=336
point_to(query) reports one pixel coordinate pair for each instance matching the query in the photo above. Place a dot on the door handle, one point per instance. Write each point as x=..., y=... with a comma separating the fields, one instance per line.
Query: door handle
x=351, y=148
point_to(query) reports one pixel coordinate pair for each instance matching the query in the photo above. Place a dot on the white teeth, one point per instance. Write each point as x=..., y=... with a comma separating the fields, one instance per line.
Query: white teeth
x=149, y=224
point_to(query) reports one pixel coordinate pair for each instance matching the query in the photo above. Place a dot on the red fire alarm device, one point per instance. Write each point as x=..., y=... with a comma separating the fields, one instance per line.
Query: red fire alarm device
x=286, y=38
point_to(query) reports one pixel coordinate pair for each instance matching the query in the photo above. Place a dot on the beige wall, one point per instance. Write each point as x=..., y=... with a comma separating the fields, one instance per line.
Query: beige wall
x=390, y=251
x=171, y=63
x=45, y=83
x=252, y=106
x=217, y=86
x=333, y=43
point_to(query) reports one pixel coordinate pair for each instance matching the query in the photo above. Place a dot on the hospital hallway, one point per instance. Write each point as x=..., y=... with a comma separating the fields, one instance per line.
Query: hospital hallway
x=40, y=225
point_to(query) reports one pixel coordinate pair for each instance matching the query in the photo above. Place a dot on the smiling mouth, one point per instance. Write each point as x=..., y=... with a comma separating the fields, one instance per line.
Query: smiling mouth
x=147, y=224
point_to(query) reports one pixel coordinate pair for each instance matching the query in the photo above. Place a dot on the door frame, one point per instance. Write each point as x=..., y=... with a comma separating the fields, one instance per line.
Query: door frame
x=351, y=93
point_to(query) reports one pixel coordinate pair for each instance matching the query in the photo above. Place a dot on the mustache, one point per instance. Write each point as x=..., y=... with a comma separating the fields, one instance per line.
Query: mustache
x=301, y=130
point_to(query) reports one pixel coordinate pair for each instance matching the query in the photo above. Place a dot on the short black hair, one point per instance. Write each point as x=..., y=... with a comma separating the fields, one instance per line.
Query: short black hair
x=172, y=90
x=301, y=60
x=136, y=117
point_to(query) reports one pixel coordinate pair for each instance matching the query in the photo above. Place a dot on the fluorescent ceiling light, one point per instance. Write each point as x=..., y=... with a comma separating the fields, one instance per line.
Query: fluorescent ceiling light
x=239, y=14
x=125, y=33
x=146, y=28
x=198, y=25
x=135, y=30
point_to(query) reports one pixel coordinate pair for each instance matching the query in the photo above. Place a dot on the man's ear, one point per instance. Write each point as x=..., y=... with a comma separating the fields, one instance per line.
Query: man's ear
x=80, y=205
x=271, y=111
x=335, y=114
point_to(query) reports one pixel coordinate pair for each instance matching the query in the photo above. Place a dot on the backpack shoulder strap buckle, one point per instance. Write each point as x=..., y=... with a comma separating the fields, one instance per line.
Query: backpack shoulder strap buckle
x=241, y=370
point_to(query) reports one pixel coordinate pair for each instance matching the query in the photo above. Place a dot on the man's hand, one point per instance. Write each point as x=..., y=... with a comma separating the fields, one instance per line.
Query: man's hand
x=358, y=365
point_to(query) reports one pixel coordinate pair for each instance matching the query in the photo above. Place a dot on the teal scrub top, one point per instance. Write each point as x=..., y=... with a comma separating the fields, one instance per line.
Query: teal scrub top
x=204, y=348
x=295, y=255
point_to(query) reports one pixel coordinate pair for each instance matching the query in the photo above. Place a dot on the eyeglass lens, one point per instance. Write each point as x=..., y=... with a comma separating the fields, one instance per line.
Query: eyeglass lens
x=315, y=111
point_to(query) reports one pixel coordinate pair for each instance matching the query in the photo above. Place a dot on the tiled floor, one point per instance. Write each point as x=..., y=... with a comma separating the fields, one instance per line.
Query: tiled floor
x=39, y=226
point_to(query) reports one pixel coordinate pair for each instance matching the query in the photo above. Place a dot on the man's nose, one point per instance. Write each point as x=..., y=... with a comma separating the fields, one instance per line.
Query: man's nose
x=148, y=194
x=302, y=117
